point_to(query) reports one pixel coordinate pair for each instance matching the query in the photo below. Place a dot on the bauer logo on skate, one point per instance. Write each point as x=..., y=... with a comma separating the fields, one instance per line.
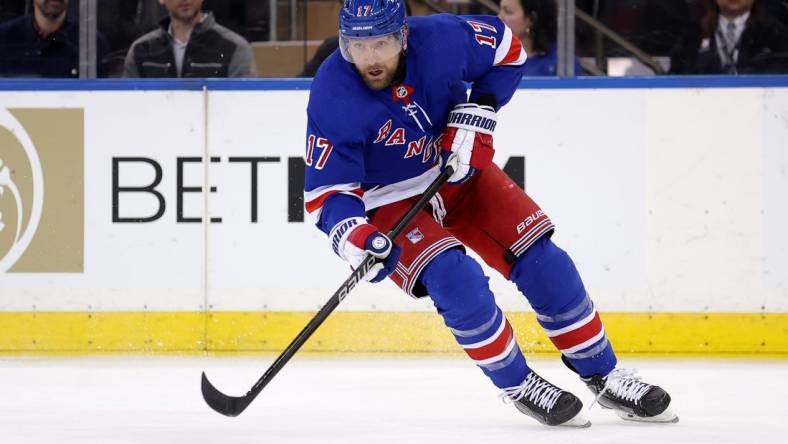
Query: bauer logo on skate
x=41, y=191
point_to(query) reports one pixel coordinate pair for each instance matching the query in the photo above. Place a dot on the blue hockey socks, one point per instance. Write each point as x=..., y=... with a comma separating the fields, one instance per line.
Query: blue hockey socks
x=460, y=291
x=549, y=280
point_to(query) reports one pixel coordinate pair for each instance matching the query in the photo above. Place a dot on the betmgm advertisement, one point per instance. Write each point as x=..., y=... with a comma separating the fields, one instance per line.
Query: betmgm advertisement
x=41, y=191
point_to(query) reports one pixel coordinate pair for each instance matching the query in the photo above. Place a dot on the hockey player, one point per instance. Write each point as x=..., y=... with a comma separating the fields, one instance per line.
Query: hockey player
x=385, y=113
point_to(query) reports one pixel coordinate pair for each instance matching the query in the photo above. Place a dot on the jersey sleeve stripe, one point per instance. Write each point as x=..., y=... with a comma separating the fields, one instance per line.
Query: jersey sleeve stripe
x=379, y=196
x=510, y=51
x=314, y=200
x=503, y=49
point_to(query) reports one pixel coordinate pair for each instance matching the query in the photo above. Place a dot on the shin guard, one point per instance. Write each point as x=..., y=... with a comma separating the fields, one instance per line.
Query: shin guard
x=460, y=291
x=549, y=280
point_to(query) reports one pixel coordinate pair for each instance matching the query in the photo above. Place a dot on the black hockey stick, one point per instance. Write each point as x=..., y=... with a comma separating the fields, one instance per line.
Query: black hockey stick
x=234, y=405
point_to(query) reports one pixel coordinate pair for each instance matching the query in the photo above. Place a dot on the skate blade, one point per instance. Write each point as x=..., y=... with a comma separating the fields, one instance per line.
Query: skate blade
x=666, y=417
x=578, y=421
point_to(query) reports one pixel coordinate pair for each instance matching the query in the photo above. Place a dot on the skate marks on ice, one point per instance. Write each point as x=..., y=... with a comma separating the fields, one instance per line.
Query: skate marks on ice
x=152, y=400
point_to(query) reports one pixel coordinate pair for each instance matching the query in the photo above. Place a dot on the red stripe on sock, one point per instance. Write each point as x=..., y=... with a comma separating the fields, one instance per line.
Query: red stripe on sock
x=579, y=335
x=494, y=348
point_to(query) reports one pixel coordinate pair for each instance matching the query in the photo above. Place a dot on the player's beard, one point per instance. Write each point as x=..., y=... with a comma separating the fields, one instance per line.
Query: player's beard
x=379, y=75
x=52, y=9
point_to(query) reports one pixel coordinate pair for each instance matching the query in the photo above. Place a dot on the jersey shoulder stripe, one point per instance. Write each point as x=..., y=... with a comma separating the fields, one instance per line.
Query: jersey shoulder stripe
x=510, y=51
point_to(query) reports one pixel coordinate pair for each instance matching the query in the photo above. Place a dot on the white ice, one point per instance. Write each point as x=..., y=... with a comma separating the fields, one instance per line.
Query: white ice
x=318, y=399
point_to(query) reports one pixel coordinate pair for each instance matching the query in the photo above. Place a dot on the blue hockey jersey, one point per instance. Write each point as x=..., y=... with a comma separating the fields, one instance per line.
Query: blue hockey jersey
x=381, y=146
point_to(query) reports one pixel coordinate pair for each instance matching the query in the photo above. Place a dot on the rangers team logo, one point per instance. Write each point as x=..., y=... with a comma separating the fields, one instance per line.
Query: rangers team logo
x=41, y=191
x=415, y=235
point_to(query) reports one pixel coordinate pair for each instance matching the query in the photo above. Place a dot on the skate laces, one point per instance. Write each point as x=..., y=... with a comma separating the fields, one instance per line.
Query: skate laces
x=534, y=389
x=624, y=384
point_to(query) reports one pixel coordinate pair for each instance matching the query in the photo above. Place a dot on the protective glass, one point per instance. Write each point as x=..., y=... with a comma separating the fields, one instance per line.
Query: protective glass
x=371, y=49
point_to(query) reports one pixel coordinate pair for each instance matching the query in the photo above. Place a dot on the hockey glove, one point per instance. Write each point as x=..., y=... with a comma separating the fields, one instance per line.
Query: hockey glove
x=468, y=135
x=353, y=238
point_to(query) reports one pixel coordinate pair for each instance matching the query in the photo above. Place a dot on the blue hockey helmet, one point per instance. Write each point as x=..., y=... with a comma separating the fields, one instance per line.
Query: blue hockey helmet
x=364, y=19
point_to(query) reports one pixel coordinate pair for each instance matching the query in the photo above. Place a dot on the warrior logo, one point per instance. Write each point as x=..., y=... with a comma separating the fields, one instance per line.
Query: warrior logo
x=41, y=190
x=401, y=92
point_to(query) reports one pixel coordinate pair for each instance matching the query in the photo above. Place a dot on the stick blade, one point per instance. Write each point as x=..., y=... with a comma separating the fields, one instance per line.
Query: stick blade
x=224, y=404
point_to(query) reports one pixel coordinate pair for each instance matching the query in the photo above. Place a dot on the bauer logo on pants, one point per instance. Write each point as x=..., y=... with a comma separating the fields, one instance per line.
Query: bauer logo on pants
x=41, y=190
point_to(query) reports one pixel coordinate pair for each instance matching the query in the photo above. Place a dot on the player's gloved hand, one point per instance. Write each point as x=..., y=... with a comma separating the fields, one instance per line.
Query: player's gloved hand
x=468, y=135
x=353, y=238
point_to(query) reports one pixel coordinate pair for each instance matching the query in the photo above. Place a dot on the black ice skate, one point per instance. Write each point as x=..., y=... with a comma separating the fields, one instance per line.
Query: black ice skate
x=631, y=398
x=546, y=403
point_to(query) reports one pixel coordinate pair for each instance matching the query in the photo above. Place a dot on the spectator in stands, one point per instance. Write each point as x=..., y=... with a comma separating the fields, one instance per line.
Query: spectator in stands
x=735, y=37
x=189, y=43
x=44, y=44
x=535, y=23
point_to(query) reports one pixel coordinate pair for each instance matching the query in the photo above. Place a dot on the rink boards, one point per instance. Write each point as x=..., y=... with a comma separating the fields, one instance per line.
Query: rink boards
x=167, y=216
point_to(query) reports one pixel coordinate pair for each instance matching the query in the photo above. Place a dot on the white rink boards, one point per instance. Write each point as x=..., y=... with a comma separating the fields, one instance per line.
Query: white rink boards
x=170, y=219
x=661, y=210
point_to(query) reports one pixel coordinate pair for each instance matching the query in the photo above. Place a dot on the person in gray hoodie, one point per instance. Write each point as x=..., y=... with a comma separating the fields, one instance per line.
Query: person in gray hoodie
x=189, y=43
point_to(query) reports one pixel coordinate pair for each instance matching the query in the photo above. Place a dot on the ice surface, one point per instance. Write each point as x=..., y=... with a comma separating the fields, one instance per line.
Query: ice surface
x=317, y=399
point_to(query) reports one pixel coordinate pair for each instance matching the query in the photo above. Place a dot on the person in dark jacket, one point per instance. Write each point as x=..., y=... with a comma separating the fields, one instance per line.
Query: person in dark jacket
x=189, y=43
x=735, y=37
x=44, y=44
